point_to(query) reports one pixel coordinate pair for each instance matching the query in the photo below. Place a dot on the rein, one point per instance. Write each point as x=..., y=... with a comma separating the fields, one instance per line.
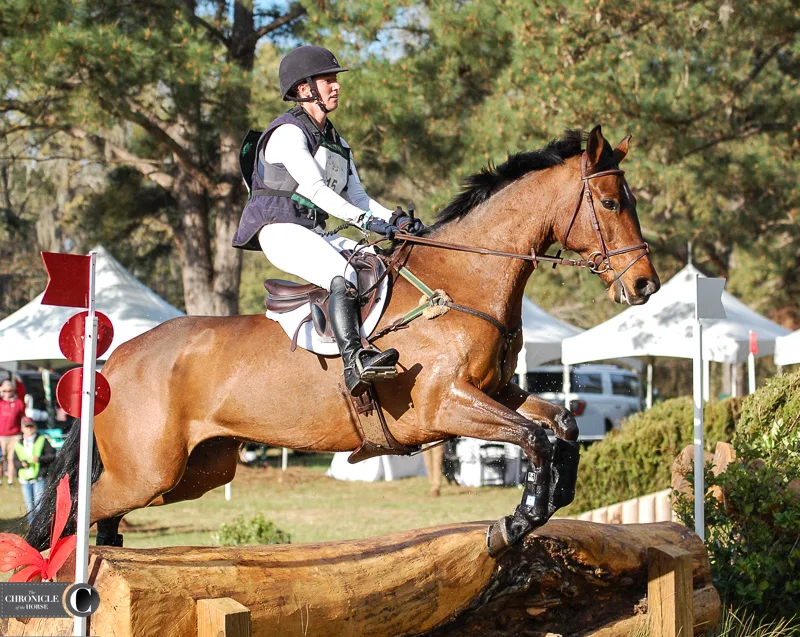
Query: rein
x=598, y=262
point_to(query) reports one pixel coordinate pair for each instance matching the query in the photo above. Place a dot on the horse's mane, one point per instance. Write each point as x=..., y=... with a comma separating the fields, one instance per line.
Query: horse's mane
x=480, y=186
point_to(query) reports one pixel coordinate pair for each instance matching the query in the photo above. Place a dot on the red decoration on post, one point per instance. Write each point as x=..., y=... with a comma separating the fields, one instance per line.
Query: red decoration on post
x=70, y=388
x=68, y=283
x=754, y=343
x=71, y=338
x=16, y=553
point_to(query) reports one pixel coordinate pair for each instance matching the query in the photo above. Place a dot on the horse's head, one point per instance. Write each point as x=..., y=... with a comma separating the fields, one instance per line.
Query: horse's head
x=604, y=228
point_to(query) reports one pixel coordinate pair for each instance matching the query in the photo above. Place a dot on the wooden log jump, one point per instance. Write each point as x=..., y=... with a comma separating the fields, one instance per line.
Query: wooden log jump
x=569, y=577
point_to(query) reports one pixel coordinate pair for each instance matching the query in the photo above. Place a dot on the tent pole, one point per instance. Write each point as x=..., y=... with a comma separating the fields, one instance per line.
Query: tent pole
x=566, y=386
x=751, y=373
x=734, y=379
x=706, y=380
x=649, y=402
x=699, y=458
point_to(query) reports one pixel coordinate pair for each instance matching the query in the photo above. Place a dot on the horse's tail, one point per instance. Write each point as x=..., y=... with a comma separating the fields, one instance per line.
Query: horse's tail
x=65, y=462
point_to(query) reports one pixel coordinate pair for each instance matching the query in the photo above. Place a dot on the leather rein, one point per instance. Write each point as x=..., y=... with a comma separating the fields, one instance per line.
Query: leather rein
x=598, y=262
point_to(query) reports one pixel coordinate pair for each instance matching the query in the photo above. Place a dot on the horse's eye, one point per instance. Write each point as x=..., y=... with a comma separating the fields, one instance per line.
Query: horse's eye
x=610, y=204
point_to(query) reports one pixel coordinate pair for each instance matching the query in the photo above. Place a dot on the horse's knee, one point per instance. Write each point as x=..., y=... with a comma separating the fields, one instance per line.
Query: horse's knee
x=539, y=445
x=566, y=425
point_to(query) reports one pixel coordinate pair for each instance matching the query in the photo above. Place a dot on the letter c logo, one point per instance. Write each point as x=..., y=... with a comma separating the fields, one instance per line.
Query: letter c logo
x=81, y=600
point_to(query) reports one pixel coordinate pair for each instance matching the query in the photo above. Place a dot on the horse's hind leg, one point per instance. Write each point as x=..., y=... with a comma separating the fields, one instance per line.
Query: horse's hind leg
x=211, y=464
x=108, y=532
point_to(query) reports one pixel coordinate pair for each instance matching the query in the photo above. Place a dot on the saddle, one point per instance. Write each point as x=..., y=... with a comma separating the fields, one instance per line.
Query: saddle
x=286, y=296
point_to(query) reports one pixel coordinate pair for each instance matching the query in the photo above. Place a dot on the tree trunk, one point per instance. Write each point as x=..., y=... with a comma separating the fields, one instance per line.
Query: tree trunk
x=568, y=578
x=227, y=259
x=194, y=249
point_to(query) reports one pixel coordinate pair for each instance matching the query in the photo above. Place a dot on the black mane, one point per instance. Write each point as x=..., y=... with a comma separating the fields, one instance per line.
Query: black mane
x=479, y=187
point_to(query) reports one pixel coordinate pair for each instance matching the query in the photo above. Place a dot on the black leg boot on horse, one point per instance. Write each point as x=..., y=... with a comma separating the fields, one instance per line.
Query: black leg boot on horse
x=362, y=364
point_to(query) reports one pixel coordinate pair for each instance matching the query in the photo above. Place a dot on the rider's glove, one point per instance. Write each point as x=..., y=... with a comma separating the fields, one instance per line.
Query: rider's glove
x=406, y=223
x=379, y=226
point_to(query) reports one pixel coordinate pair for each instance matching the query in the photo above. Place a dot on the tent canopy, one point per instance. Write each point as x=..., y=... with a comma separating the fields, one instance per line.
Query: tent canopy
x=787, y=349
x=665, y=327
x=542, y=334
x=31, y=333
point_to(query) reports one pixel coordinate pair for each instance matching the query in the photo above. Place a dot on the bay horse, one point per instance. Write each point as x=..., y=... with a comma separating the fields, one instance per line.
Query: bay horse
x=186, y=393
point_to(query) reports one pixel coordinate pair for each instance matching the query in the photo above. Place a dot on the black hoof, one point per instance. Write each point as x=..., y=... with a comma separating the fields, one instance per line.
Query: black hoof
x=507, y=532
x=109, y=540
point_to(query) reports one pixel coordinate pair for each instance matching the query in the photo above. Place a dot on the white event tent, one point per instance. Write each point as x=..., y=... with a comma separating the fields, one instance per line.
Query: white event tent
x=664, y=326
x=31, y=333
x=542, y=335
x=787, y=349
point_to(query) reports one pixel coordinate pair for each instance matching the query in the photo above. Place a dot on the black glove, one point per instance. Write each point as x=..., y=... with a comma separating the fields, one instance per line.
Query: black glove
x=406, y=223
x=379, y=226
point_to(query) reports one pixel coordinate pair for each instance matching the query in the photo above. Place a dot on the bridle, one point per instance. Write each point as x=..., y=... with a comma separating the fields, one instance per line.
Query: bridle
x=598, y=262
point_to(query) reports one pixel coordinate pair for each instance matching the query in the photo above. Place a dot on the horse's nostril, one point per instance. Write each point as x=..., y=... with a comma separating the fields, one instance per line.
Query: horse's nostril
x=645, y=287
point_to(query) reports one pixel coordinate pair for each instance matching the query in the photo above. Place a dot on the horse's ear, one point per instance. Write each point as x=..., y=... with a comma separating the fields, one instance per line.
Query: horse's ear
x=621, y=150
x=594, y=145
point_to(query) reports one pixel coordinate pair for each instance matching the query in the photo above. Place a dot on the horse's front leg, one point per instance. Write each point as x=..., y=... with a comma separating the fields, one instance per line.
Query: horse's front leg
x=560, y=476
x=467, y=411
x=554, y=417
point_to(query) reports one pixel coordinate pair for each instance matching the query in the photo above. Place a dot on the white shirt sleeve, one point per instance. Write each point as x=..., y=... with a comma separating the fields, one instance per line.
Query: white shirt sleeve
x=357, y=196
x=287, y=146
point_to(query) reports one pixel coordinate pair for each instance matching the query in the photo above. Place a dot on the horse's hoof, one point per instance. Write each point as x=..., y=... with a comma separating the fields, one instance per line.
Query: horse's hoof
x=497, y=541
x=109, y=540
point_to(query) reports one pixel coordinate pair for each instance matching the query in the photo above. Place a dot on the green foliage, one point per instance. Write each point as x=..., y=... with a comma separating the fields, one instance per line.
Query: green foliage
x=637, y=458
x=753, y=531
x=256, y=530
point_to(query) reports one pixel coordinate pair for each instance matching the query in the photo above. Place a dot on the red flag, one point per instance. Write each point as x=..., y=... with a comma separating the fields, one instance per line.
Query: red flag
x=753, y=343
x=68, y=283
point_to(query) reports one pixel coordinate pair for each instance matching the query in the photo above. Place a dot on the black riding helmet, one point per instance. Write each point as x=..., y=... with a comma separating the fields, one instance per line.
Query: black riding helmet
x=302, y=65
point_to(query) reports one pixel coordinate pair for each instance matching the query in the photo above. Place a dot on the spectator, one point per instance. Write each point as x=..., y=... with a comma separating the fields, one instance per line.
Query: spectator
x=12, y=410
x=433, y=467
x=32, y=457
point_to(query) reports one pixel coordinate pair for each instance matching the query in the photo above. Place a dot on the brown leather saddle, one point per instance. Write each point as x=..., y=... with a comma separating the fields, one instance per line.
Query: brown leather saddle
x=285, y=296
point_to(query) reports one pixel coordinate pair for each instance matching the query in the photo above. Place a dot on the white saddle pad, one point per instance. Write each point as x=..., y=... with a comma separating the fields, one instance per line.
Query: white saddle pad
x=308, y=337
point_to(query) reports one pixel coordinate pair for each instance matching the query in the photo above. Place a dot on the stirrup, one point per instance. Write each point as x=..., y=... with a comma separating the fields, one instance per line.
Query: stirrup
x=382, y=367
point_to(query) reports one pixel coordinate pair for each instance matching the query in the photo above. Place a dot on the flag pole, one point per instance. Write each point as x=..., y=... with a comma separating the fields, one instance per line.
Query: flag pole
x=86, y=440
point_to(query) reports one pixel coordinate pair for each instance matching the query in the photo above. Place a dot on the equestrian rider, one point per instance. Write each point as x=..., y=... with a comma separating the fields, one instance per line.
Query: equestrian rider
x=303, y=173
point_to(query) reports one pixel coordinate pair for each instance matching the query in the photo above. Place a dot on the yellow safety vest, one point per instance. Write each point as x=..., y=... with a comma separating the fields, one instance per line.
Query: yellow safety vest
x=31, y=472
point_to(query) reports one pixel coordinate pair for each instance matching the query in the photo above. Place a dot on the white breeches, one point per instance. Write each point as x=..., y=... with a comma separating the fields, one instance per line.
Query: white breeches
x=304, y=253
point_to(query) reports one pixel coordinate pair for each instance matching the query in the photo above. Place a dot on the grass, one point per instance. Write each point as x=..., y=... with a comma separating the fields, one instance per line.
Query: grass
x=307, y=504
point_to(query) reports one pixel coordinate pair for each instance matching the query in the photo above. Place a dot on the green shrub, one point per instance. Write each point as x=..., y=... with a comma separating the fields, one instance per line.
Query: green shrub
x=256, y=530
x=637, y=458
x=753, y=533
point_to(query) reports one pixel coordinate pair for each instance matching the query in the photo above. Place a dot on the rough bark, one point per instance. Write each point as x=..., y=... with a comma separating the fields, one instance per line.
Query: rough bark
x=569, y=578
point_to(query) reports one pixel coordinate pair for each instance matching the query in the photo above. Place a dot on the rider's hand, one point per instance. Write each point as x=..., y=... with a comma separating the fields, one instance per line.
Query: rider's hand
x=410, y=226
x=379, y=226
x=406, y=223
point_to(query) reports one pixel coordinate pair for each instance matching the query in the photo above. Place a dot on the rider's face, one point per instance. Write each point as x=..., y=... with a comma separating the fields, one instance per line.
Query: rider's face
x=328, y=89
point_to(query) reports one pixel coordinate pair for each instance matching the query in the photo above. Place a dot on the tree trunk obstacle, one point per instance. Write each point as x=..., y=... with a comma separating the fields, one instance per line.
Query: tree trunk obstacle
x=568, y=578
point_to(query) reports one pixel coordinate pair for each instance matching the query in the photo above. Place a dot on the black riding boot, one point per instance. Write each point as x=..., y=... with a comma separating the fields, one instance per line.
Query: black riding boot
x=361, y=365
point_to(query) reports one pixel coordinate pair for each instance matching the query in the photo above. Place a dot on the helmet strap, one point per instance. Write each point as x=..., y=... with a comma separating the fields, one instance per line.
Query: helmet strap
x=315, y=97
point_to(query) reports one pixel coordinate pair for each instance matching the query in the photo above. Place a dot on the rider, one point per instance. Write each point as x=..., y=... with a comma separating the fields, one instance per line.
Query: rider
x=304, y=172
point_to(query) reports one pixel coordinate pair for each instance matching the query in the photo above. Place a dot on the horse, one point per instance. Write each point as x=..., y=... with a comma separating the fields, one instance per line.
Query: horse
x=189, y=391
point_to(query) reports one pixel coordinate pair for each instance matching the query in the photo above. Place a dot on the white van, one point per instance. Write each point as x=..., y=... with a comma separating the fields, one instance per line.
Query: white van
x=601, y=396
